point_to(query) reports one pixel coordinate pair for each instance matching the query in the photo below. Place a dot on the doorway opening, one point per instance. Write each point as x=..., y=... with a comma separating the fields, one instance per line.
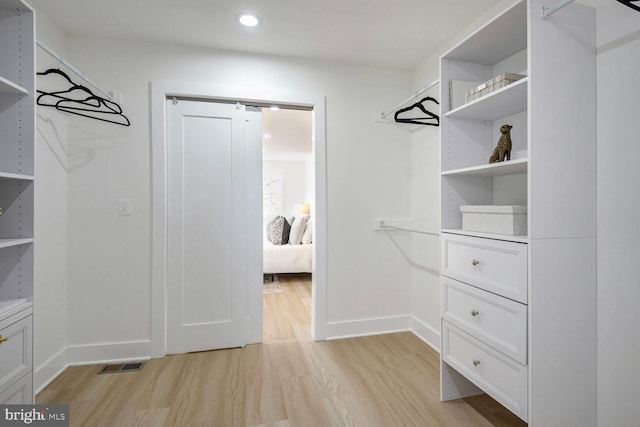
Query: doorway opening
x=161, y=91
x=288, y=204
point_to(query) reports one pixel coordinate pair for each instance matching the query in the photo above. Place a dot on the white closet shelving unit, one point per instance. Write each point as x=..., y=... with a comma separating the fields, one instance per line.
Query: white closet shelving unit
x=17, y=133
x=518, y=312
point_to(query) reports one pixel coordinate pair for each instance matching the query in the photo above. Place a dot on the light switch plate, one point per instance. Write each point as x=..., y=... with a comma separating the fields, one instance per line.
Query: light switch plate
x=124, y=207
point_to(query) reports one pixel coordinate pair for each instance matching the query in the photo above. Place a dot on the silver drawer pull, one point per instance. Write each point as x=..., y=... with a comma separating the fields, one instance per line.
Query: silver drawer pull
x=476, y=362
x=475, y=262
x=474, y=313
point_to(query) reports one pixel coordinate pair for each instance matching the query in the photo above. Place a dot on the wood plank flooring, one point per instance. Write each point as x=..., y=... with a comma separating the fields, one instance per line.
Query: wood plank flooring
x=289, y=380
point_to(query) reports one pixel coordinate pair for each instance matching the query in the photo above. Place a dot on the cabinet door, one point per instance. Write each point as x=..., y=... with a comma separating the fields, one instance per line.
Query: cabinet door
x=15, y=352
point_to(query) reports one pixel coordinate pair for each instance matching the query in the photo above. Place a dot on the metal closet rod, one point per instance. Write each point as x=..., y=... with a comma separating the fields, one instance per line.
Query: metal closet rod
x=411, y=229
x=548, y=11
x=416, y=94
x=74, y=69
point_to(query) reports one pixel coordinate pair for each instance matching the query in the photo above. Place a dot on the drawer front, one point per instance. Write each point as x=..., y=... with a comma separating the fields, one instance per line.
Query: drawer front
x=499, y=376
x=494, y=265
x=20, y=393
x=15, y=352
x=497, y=321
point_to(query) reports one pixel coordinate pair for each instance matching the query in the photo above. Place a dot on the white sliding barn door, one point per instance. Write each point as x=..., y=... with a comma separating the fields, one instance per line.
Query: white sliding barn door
x=208, y=215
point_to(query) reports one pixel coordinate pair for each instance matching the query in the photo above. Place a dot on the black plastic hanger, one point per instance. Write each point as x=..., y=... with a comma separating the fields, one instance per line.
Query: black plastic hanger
x=628, y=3
x=81, y=101
x=429, y=118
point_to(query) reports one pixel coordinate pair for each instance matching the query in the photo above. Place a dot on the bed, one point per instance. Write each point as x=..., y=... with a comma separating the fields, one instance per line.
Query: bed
x=286, y=258
x=287, y=246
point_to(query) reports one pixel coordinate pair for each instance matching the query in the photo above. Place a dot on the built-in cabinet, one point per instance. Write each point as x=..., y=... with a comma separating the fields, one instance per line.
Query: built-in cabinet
x=518, y=312
x=17, y=132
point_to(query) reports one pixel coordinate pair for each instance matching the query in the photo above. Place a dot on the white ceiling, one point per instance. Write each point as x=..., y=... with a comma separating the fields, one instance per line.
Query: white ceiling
x=390, y=33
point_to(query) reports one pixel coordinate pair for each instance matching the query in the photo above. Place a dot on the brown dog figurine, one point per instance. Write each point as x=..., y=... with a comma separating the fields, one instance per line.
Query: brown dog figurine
x=503, y=149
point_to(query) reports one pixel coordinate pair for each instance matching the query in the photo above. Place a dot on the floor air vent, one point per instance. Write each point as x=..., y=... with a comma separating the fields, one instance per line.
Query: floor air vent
x=121, y=367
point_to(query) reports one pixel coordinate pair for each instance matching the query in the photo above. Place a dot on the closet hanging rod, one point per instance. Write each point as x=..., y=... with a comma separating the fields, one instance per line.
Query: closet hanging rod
x=409, y=229
x=415, y=95
x=548, y=11
x=381, y=225
x=73, y=69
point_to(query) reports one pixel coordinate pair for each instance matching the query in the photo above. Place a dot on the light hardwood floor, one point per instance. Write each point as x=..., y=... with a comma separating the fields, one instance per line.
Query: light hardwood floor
x=289, y=380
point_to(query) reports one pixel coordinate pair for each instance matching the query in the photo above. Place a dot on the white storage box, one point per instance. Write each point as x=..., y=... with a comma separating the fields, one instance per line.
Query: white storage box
x=511, y=220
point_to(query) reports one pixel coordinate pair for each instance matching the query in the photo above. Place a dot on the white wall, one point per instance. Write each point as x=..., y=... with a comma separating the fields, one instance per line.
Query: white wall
x=51, y=227
x=295, y=186
x=618, y=95
x=109, y=256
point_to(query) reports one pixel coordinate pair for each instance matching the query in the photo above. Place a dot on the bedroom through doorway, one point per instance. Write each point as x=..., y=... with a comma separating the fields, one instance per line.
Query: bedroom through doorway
x=288, y=205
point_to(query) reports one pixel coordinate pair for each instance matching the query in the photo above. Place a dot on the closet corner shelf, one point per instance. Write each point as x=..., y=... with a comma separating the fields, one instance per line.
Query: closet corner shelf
x=7, y=86
x=510, y=167
x=503, y=102
x=505, y=237
x=7, y=243
x=19, y=176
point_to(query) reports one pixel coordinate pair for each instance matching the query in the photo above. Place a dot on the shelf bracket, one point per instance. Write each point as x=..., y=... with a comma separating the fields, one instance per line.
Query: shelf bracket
x=548, y=11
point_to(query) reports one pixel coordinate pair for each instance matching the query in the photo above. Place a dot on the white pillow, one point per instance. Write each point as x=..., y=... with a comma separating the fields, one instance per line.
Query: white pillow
x=308, y=233
x=297, y=230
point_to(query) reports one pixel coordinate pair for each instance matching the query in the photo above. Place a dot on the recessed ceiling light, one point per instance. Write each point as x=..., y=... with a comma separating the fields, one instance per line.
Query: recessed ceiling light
x=274, y=108
x=248, y=20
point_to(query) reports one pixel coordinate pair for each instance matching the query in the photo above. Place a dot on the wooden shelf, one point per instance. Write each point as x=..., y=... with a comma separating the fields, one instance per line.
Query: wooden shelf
x=511, y=167
x=503, y=102
x=7, y=86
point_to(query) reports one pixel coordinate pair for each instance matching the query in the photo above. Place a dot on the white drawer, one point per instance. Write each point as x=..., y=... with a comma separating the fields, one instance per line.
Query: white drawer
x=494, y=265
x=15, y=352
x=497, y=321
x=20, y=393
x=496, y=374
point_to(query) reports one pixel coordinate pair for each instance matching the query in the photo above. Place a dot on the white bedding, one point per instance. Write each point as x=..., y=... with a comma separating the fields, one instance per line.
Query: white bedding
x=286, y=258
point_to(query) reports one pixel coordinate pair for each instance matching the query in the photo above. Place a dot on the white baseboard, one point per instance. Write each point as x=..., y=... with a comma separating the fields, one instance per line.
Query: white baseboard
x=426, y=333
x=116, y=352
x=50, y=369
x=384, y=325
x=366, y=327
